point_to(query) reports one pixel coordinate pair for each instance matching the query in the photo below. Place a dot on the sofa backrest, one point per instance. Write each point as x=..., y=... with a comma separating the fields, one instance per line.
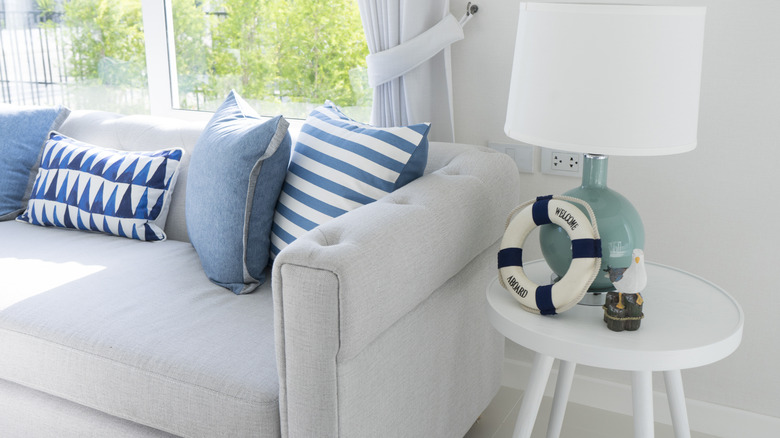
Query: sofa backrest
x=149, y=133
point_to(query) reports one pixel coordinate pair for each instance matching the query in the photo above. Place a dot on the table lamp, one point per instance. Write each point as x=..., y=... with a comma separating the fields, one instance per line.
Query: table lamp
x=603, y=80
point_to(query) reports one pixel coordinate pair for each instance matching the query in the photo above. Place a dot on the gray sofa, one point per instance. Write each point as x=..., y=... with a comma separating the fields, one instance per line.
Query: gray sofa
x=373, y=324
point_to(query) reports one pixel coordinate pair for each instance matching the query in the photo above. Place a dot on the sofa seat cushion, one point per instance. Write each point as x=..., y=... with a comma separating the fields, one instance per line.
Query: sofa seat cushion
x=136, y=330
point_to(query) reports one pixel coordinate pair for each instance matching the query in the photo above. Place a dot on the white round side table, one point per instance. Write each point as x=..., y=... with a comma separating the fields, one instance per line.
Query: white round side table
x=689, y=322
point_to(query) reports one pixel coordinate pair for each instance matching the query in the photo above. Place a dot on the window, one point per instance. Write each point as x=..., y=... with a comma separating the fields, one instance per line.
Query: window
x=283, y=56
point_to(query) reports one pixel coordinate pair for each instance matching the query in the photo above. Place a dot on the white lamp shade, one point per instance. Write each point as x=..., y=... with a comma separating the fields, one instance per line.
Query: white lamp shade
x=607, y=79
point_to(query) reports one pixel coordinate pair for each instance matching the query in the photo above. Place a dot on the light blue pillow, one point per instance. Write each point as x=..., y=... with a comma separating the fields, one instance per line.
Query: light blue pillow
x=235, y=175
x=91, y=188
x=22, y=133
x=339, y=165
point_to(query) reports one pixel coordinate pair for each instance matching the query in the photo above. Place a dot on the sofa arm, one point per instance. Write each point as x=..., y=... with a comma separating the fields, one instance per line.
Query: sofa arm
x=341, y=285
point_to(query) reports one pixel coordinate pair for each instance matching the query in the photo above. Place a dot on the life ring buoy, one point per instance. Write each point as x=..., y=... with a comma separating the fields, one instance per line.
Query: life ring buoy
x=586, y=254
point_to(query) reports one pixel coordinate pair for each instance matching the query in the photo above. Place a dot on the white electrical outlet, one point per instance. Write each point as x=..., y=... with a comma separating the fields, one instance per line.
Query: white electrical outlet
x=522, y=154
x=561, y=163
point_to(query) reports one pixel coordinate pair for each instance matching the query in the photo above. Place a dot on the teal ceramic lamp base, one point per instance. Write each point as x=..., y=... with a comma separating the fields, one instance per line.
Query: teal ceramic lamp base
x=619, y=224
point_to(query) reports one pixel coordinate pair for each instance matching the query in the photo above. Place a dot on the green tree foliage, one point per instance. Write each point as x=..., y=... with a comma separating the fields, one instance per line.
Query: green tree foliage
x=291, y=50
x=243, y=52
x=191, y=32
x=107, y=40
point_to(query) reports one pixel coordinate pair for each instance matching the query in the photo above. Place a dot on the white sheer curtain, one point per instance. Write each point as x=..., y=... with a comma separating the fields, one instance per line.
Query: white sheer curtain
x=409, y=62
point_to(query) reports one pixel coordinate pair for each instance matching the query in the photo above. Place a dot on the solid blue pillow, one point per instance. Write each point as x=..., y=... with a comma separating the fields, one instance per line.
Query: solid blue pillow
x=339, y=165
x=235, y=175
x=22, y=133
x=90, y=188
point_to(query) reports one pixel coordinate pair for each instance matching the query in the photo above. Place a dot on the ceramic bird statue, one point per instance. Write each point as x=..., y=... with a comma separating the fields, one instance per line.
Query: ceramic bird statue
x=623, y=308
x=633, y=279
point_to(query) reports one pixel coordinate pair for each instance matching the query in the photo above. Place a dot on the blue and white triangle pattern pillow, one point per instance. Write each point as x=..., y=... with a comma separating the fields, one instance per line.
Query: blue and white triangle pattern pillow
x=85, y=187
x=338, y=165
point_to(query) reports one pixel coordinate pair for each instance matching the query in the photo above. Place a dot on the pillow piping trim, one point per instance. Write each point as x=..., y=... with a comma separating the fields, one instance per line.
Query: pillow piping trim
x=251, y=283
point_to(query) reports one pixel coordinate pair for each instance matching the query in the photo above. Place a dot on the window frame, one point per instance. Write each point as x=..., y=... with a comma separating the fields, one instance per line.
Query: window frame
x=161, y=62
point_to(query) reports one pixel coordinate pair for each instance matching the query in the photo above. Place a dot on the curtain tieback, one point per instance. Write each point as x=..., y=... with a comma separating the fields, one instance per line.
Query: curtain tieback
x=396, y=61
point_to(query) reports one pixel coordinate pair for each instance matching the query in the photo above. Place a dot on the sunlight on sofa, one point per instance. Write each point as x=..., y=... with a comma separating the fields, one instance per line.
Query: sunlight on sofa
x=16, y=275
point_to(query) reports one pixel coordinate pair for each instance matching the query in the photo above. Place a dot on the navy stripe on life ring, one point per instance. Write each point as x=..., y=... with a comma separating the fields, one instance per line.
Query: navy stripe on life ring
x=540, y=211
x=510, y=257
x=585, y=248
x=544, y=300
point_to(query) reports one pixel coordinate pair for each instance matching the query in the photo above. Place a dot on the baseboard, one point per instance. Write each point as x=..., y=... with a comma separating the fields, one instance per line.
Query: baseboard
x=611, y=396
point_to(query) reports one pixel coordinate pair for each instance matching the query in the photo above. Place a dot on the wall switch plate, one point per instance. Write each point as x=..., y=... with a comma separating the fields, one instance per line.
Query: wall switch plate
x=561, y=163
x=523, y=154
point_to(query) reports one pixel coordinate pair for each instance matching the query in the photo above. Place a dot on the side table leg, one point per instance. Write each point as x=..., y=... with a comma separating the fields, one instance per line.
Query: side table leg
x=674, y=392
x=532, y=397
x=561, y=398
x=642, y=382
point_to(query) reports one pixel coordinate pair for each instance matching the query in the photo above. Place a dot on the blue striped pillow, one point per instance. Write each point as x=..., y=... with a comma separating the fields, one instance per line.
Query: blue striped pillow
x=91, y=188
x=338, y=165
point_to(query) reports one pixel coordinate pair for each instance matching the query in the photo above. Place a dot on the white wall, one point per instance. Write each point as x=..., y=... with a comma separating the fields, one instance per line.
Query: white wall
x=713, y=211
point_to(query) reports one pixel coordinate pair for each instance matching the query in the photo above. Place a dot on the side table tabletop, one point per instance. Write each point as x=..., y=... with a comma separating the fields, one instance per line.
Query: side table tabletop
x=689, y=322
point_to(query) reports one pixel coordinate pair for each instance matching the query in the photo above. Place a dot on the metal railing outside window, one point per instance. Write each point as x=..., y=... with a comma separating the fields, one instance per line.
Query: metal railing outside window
x=46, y=59
x=33, y=54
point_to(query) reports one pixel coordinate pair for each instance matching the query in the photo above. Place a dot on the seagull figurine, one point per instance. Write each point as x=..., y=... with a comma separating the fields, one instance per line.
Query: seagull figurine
x=629, y=281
